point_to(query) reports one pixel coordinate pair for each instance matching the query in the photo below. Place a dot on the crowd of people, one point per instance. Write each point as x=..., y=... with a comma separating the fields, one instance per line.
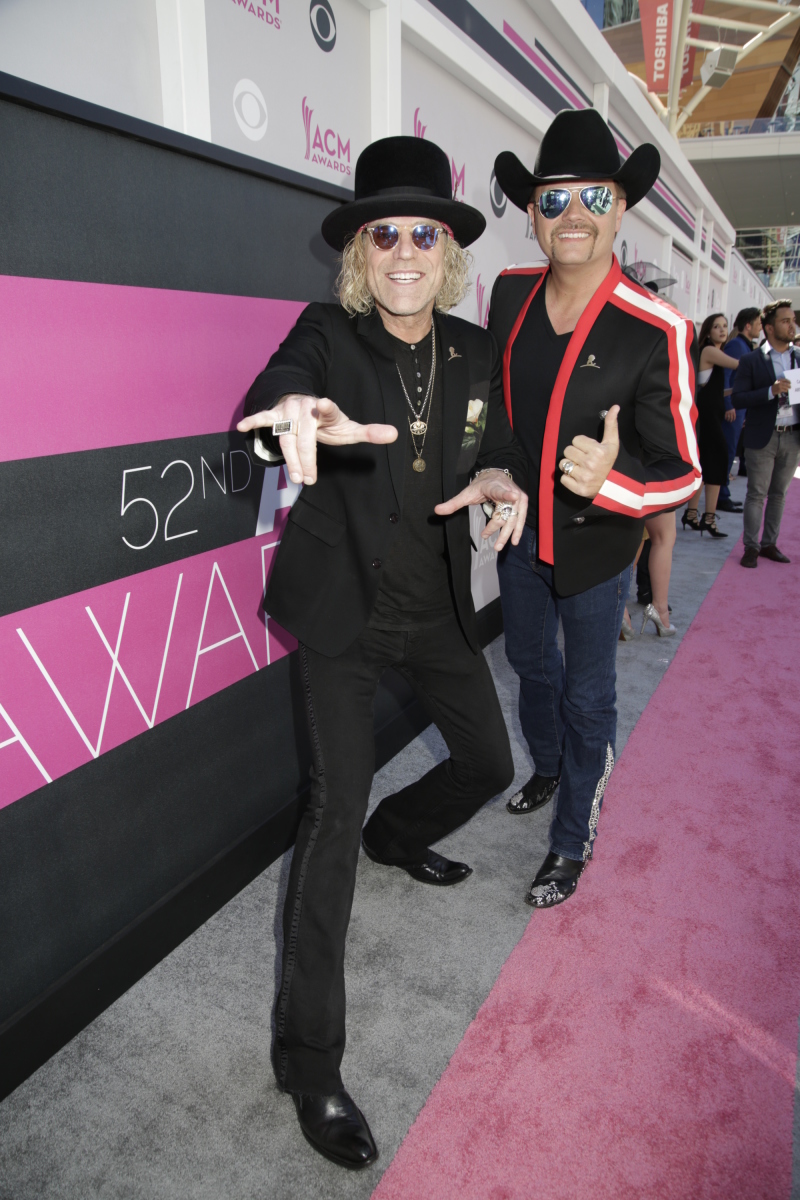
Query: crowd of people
x=745, y=370
x=571, y=421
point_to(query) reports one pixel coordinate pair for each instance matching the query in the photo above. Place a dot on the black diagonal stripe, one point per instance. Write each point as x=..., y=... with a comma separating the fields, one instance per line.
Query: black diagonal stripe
x=469, y=21
x=63, y=528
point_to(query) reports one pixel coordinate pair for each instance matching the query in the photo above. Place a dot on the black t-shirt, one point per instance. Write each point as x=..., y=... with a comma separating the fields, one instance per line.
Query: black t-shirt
x=536, y=358
x=415, y=590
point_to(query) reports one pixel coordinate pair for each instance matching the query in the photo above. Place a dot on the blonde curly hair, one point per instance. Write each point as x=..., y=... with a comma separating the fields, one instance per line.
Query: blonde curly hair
x=355, y=296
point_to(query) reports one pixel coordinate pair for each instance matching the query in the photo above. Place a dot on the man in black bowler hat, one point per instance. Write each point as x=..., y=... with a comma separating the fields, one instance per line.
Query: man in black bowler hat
x=390, y=412
x=599, y=387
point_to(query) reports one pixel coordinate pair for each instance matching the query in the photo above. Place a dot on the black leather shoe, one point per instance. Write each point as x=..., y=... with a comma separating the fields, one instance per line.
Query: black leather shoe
x=435, y=869
x=337, y=1128
x=774, y=553
x=728, y=506
x=750, y=557
x=556, y=880
x=534, y=794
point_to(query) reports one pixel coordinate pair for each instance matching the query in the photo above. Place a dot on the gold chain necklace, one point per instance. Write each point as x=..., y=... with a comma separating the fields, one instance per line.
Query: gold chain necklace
x=419, y=427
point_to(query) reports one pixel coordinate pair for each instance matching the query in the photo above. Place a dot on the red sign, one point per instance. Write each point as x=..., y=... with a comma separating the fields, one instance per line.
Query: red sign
x=688, y=53
x=657, y=37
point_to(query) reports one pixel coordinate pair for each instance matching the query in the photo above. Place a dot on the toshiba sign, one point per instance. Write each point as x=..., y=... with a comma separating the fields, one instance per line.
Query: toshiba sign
x=657, y=37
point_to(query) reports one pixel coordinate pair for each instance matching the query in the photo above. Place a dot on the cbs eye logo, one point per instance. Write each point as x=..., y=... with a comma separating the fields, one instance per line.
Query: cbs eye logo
x=497, y=197
x=323, y=24
x=250, y=109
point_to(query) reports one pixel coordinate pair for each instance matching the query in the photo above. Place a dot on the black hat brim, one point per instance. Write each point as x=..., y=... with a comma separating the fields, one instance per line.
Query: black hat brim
x=341, y=226
x=636, y=176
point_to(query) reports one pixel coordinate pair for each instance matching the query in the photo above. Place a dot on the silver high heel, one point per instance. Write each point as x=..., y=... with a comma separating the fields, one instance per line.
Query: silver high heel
x=626, y=633
x=651, y=614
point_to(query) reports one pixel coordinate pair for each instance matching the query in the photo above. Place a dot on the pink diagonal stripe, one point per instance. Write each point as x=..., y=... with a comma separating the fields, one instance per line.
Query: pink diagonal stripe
x=88, y=365
x=641, y=1041
x=541, y=65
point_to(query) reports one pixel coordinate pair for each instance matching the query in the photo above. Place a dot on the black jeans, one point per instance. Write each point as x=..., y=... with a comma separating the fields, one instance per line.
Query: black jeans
x=457, y=690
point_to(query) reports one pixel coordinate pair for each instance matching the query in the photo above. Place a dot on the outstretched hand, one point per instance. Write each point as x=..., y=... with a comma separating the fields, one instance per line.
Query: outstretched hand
x=497, y=488
x=591, y=460
x=315, y=420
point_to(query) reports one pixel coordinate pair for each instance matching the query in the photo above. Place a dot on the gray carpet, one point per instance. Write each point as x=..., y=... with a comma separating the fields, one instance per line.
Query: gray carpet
x=169, y=1094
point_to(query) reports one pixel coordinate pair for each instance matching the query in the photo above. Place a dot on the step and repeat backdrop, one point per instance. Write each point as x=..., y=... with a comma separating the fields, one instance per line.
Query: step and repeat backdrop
x=147, y=713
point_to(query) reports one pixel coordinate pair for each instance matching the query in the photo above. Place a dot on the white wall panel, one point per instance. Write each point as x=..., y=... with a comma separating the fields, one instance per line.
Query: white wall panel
x=291, y=84
x=106, y=53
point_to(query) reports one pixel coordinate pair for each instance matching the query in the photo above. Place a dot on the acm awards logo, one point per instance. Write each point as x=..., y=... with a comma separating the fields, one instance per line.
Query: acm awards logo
x=263, y=11
x=326, y=148
x=323, y=24
x=250, y=109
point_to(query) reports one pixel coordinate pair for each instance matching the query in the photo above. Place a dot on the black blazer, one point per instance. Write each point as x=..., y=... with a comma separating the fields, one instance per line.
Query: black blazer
x=628, y=348
x=327, y=569
x=751, y=390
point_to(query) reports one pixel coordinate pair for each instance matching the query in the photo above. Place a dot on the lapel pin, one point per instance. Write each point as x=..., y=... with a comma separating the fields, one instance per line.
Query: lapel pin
x=590, y=363
x=453, y=354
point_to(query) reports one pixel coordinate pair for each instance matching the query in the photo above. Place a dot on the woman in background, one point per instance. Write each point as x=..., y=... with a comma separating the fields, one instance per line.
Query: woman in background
x=711, y=442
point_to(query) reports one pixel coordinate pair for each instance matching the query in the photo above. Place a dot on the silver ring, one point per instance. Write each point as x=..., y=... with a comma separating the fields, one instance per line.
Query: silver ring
x=283, y=427
x=504, y=511
x=568, y=467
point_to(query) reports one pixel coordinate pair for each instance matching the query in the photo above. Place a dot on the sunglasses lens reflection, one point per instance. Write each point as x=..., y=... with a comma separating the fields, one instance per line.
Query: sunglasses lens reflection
x=424, y=236
x=598, y=200
x=553, y=203
x=384, y=237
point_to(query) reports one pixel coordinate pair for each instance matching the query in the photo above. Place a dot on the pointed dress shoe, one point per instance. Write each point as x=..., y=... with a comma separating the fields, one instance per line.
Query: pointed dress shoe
x=435, y=869
x=774, y=553
x=336, y=1128
x=729, y=506
x=556, y=880
x=534, y=794
x=750, y=557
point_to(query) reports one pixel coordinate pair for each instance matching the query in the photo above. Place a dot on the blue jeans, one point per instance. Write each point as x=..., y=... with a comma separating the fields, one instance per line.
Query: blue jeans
x=567, y=707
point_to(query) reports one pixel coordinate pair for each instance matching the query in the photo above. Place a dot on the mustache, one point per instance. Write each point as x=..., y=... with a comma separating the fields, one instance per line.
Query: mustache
x=567, y=228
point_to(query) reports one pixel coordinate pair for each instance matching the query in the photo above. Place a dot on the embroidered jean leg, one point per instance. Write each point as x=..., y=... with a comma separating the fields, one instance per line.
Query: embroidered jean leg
x=591, y=623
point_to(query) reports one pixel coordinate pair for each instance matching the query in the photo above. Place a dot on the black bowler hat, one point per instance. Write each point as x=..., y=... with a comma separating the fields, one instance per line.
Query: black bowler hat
x=403, y=177
x=579, y=145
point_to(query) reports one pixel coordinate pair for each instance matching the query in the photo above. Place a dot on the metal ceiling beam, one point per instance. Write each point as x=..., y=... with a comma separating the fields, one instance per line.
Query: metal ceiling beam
x=725, y=23
x=761, y=5
x=701, y=44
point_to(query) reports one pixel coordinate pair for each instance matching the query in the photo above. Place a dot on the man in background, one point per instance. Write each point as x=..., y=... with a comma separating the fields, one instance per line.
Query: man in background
x=747, y=330
x=771, y=431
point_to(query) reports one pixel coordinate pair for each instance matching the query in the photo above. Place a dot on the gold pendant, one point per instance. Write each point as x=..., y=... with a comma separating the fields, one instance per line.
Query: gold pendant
x=418, y=428
x=418, y=464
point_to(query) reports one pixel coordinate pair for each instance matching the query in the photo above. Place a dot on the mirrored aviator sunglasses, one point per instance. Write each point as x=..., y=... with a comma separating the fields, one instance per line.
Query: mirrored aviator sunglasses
x=386, y=237
x=555, y=201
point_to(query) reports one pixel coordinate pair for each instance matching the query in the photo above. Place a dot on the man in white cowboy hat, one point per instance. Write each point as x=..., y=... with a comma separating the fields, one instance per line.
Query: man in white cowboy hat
x=391, y=413
x=599, y=387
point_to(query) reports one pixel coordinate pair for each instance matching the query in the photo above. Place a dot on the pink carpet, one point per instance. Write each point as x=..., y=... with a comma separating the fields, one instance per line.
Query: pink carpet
x=641, y=1041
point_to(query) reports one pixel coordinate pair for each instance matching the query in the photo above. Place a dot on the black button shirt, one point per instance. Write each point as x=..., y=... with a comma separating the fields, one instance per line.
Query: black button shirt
x=536, y=358
x=415, y=590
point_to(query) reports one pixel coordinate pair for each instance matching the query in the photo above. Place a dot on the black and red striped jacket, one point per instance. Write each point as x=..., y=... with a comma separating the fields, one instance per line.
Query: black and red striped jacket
x=644, y=359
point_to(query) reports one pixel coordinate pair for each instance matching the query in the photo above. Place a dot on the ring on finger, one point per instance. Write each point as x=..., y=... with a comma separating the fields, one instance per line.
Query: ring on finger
x=567, y=466
x=281, y=428
x=504, y=511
